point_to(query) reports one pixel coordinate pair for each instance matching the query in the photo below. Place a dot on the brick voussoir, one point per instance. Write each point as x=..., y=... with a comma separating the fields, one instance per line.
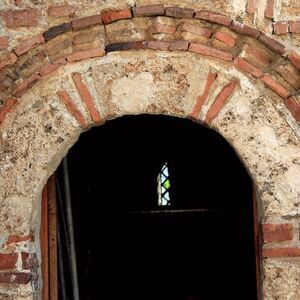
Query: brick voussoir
x=148, y=10
x=209, y=51
x=178, y=12
x=213, y=17
x=244, y=29
x=86, y=22
x=72, y=108
x=57, y=30
x=138, y=45
x=275, y=86
x=6, y=108
x=107, y=17
x=113, y=16
x=272, y=43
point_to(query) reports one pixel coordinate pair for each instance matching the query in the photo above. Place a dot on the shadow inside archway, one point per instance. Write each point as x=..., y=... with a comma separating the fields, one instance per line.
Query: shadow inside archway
x=201, y=246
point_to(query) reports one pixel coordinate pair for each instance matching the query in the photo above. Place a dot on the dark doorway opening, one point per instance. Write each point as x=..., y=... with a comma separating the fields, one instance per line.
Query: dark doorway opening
x=200, y=245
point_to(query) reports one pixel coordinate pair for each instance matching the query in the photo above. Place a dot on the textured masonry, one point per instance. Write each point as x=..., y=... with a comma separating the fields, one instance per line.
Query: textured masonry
x=217, y=44
x=71, y=68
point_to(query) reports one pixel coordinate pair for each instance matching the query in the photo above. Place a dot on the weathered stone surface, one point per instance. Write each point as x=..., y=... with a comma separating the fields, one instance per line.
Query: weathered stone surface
x=282, y=280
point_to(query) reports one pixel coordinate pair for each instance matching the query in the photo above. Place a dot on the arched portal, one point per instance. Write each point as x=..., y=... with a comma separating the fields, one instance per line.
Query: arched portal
x=60, y=84
x=126, y=237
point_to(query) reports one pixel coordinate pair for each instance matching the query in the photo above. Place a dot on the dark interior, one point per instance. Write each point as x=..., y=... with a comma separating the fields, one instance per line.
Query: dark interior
x=201, y=246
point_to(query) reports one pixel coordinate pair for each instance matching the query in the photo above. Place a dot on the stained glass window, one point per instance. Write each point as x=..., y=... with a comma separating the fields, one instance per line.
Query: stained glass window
x=164, y=186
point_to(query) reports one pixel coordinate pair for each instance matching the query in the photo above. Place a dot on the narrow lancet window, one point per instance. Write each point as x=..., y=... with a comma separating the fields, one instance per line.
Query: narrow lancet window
x=164, y=186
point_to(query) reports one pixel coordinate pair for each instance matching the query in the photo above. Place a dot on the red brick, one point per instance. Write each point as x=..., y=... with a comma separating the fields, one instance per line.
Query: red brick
x=294, y=106
x=213, y=17
x=271, y=43
x=294, y=57
x=226, y=38
x=112, y=16
x=247, y=67
x=205, y=50
x=295, y=26
x=195, y=29
x=29, y=44
x=6, y=108
x=80, y=55
x=281, y=252
x=8, y=261
x=61, y=10
x=178, y=12
x=8, y=61
x=86, y=22
x=277, y=232
x=51, y=67
x=25, y=261
x=281, y=27
x=126, y=46
x=16, y=18
x=162, y=28
x=244, y=29
x=291, y=74
x=220, y=100
x=148, y=10
x=13, y=239
x=3, y=42
x=158, y=45
x=72, y=108
x=251, y=6
x=179, y=46
x=57, y=30
x=86, y=97
x=269, y=12
x=27, y=84
x=211, y=78
x=275, y=86
x=15, y=277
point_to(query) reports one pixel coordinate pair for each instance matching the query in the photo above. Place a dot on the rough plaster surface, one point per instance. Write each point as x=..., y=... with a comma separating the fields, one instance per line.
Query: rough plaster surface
x=279, y=274
x=15, y=292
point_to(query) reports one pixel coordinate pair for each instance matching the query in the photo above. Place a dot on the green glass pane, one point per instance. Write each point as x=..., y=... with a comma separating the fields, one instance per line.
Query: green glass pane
x=167, y=184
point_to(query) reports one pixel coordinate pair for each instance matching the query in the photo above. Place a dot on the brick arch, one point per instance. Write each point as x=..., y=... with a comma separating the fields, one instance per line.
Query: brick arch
x=168, y=29
x=44, y=114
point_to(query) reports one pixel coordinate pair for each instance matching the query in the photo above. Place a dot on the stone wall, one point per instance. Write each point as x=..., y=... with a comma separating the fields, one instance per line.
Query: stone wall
x=230, y=65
